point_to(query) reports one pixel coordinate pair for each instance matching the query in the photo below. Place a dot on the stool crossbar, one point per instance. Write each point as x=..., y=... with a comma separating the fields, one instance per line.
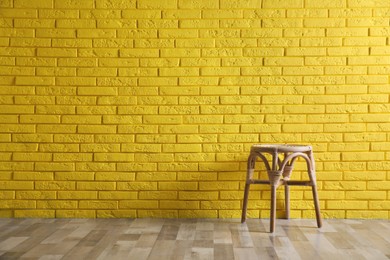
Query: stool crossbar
x=279, y=173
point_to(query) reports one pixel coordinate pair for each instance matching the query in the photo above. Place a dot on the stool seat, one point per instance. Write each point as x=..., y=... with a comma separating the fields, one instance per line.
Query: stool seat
x=283, y=148
x=279, y=172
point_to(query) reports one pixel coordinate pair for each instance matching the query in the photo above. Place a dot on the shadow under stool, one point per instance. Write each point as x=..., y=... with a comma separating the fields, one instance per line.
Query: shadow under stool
x=279, y=172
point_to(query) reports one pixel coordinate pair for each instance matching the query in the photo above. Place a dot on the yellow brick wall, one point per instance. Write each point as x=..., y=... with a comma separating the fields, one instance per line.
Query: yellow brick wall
x=148, y=108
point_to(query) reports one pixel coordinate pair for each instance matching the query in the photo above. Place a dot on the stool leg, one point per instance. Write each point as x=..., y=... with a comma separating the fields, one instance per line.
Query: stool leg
x=287, y=200
x=245, y=203
x=317, y=206
x=312, y=174
x=273, y=208
x=249, y=176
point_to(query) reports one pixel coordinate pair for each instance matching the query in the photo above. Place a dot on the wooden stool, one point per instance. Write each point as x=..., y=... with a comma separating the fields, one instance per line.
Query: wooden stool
x=279, y=173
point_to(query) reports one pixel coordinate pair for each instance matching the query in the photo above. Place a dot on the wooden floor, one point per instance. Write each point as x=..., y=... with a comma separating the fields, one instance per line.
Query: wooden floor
x=192, y=239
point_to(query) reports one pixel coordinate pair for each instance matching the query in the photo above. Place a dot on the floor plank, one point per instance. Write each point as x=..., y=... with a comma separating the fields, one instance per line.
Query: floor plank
x=220, y=239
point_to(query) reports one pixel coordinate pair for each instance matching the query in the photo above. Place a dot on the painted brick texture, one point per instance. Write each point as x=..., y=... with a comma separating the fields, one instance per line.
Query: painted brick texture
x=148, y=108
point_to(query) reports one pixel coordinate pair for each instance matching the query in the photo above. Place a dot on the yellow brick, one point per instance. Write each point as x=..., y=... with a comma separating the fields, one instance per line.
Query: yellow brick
x=344, y=185
x=40, y=119
x=244, y=118
x=204, y=138
x=193, y=148
x=364, y=195
x=33, y=176
x=177, y=166
x=137, y=166
x=82, y=119
x=16, y=185
x=204, y=23
x=311, y=128
x=154, y=43
x=21, y=166
x=36, y=195
x=113, y=157
x=11, y=147
x=238, y=195
x=164, y=4
x=121, y=119
x=179, y=204
x=220, y=205
x=352, y=127
x=73, y=23
x=229, y=214
x=33, y=4
x=138, y=204
x=369, y=41
x=139, y=53
x=157, y=195
x=70, y=4
x=347, y=108
x=98, y=204
x=94, y=186
x=94, y=166
x=340, y=51
x=178, y=186
x=97, y=129
x=258, y=109
x=117, y=4
x=357, y=176
x=54, y=166
x=77, y=62
x=309, y=109
x=93, y=110
x=83, y=81
x=33, y=138
x=32, y=157
x=381, y=146
x=193, y=157
x=191, y=176
x=6, y=3
x=73, y=138
x=363, y=156
x=378, y=185
x=41, y=81
x=144, y=148
x=54, y=185
x=368, y=98
x=366, y=214
x=34, y=214
x=75, y=213
x=96, y=72
x=198, y=195
x=77, y=195
x=156, y=176
x=6, y=156
x=364, y=137
x=222, y=185
x=178, y=14
x=115, y=176
x=157, y=100
x=62, y=176
x=5, y=138
x=9, y=195
x=282, y=4
x=137, y=186
x=178, y=129
x=52, y=13
x=17, y=51
x=379, y=205
x=54, y=204
x=56, y=71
